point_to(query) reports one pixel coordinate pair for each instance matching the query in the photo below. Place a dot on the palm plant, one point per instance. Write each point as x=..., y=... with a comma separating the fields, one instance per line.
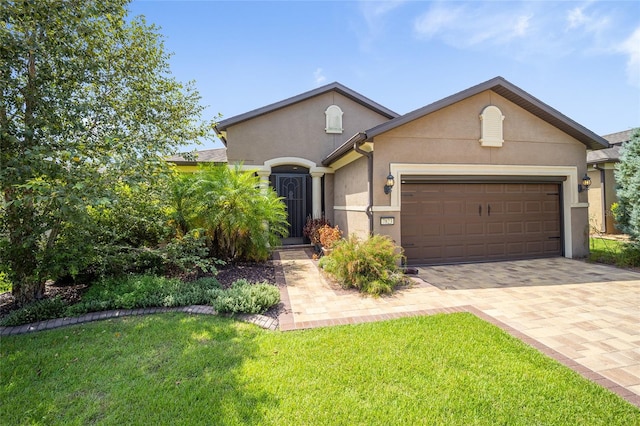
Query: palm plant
x=241, y=221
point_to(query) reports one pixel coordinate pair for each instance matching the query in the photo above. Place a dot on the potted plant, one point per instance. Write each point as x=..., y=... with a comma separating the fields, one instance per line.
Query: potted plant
x=311, y=229
x=328, y=237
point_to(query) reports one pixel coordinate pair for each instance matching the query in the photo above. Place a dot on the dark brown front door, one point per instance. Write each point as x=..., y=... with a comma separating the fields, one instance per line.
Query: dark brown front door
x=472, y=222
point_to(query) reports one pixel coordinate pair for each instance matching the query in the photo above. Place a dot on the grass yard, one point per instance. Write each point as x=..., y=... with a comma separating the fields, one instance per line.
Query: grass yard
x=179, y=369
x=613, y=252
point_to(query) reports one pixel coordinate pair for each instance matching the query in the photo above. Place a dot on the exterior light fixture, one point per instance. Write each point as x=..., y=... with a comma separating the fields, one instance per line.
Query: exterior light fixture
x=586, y=183
x=389, y=184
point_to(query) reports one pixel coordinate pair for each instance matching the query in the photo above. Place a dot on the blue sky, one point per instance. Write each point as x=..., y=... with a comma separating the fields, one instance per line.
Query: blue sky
x=580, y=57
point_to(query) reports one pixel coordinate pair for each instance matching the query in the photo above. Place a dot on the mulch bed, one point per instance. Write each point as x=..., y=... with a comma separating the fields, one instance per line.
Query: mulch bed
x=227, y=275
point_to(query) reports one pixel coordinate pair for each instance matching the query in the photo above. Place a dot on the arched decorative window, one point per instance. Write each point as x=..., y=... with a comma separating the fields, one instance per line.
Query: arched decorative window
x=334, y=119
x=491, y=122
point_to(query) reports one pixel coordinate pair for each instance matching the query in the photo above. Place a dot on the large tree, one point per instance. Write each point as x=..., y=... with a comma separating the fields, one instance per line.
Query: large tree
x=86, y=103
x=628, y=178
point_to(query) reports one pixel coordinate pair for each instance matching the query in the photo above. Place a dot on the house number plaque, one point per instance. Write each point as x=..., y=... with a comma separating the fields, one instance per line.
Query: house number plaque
x=388, y=220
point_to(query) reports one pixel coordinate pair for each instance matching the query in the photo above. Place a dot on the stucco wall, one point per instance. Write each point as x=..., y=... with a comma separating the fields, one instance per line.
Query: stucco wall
x=351, y=186
x=297, y=131
x=352, y=222
x=328, y=197
x=596, y=200
x=351, y=198
x=610, y=198
x=602, y=194
x=451, y=136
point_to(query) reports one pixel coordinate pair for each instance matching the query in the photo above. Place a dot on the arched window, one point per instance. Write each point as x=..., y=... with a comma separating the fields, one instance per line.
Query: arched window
x=491, y=122
x=334, y=119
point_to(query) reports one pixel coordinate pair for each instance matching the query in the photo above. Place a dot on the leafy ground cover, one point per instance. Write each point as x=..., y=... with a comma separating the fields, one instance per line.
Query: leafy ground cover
x=614, y=252
x=237, y=287
x=179, y=369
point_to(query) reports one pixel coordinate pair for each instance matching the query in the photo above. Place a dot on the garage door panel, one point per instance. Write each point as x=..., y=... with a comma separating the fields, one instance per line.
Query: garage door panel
x=474, y=229
x=514, y=207
x=495, y=208
x=496, y=228
x=532, y=207
x=448, y=223
x=516, y=248
x=497, y=249
x=430, y=208
x=514, y=228
x=453, y=229
x=453, y=208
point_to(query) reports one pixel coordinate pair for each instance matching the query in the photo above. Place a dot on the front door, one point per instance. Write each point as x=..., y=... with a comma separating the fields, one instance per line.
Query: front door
x=293, y=188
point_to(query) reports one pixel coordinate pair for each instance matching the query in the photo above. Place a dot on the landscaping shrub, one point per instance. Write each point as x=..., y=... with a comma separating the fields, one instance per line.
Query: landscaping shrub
x=241, y=220
x=244, y=297
x=630, y=255
x=188, y=253
x=40, y=310
x=370, y=265
x=5, y=284
x=143, y=291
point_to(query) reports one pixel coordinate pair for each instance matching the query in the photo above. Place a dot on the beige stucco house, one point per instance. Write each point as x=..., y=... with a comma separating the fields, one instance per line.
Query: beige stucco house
x=489, y=173
x=602, y=192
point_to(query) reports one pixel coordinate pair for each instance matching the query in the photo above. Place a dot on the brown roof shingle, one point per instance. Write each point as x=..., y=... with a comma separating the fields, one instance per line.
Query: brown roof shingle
x=217, y=155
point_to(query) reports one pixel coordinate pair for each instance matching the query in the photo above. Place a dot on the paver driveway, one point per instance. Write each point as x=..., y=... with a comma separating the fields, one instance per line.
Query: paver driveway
x=588, y=313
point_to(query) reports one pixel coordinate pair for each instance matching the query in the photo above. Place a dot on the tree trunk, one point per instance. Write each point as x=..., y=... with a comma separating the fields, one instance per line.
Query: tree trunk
x=26, y=292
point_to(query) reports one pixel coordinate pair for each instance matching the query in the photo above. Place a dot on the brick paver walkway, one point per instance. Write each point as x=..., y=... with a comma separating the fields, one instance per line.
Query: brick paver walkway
x=586, y=316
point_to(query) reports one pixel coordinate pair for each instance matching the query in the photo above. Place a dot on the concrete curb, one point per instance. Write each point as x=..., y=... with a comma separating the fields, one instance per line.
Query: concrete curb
x=259, y=320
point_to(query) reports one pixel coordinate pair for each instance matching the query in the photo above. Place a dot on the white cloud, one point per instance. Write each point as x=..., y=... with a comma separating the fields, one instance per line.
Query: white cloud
x=579, y=19
x=471, y=24
x=375, y=11
x=575, y=18
x=631, y=47
x=318, y=76
x=438, y=20
x=375, y=15
x=522, y=25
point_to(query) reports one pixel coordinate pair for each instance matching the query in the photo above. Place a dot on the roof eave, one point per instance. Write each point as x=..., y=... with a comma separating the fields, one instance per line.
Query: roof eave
x=220, y=134
x=344, y=148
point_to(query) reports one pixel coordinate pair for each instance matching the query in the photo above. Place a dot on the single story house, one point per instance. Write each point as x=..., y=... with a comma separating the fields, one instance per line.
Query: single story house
x=602, y=192
x=489, y=173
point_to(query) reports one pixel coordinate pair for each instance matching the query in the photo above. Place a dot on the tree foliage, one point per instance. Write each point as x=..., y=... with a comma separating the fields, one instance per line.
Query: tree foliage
x=241, y=220
x=87, y=104
x=628, y=178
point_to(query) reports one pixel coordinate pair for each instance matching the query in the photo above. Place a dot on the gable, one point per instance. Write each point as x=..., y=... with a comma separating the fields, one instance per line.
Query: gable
x=298, y=129
x=453, y=134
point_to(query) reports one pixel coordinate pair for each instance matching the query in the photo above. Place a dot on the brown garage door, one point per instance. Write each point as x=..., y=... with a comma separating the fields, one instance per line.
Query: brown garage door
x=472, y=222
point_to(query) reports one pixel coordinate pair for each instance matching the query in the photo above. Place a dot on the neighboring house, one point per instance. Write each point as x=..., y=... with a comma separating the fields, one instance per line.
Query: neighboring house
x=602, y=192
x=189, y=164
x=489, y=173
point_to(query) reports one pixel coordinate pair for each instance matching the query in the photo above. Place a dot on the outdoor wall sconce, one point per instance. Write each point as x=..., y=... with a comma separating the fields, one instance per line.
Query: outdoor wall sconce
x=586, y=183
x=389, y=184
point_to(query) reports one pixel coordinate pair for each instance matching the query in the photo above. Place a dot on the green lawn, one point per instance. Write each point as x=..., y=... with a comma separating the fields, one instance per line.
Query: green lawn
x=613, y=252
x=179, y=369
